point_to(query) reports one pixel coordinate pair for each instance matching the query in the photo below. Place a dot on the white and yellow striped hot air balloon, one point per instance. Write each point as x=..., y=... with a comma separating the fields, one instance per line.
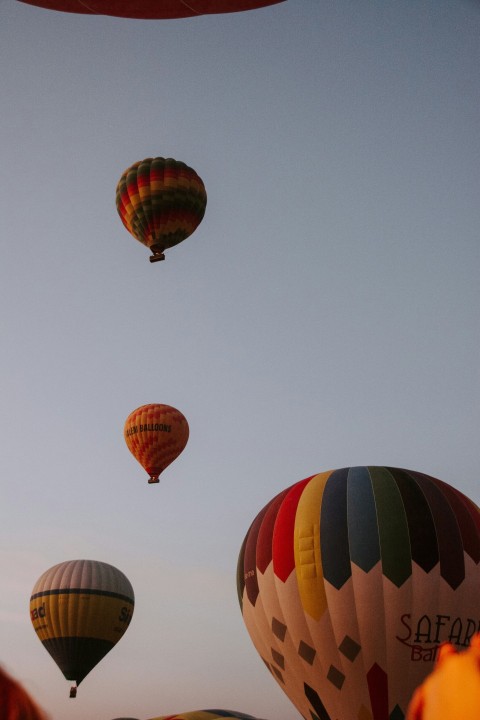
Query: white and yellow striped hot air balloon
x=80, y=609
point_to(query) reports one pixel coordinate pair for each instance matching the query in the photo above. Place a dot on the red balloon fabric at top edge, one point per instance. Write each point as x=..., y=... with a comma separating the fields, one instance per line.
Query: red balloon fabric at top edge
x=151, y=9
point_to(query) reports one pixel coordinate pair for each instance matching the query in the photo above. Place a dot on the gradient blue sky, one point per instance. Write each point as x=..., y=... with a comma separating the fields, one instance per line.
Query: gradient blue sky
x=325, y=313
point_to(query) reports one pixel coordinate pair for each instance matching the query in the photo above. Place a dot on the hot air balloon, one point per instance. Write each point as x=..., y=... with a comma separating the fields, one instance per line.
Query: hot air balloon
x=350, y=580
x=452, y=690
x=156, y=435
x=152, y=9
x=161, y=202
x=207, y=715
x=80, y=609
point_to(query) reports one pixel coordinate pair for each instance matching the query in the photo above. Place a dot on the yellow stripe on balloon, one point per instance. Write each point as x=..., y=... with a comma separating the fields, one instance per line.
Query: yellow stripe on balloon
x=308, y=561
x=77, y=614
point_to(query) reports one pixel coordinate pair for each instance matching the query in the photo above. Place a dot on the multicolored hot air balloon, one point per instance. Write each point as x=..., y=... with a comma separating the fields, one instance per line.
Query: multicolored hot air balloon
x=207, y=715
x=80, y=609
x=161, y=202
x=152, y=9
x=349, y=581
x=156, y=435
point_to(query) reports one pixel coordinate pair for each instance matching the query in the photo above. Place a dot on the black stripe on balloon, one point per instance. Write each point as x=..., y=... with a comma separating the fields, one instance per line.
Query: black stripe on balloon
x=76, y=656
x=421, y=527
x=82, y=591
x=334, y=530
x=450, y=545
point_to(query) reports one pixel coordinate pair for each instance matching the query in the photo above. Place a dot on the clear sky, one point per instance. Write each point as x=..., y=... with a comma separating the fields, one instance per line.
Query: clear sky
x=324, y=314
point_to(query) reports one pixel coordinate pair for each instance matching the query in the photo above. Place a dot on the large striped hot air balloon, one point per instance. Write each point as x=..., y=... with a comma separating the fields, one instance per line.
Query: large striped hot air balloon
x=156, y=435
x=161, y=202
x=349, y=582
x=80, y=609
x=207, y=715
x=152, y=9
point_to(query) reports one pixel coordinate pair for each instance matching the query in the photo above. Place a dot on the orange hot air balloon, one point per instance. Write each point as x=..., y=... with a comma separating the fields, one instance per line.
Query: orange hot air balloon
x=152, y=9
x=452, y=690
x=156, y=435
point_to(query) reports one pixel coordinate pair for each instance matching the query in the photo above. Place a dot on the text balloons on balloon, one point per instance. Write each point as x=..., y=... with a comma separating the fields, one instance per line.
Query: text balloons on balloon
x=156, y=434
x=349, y=582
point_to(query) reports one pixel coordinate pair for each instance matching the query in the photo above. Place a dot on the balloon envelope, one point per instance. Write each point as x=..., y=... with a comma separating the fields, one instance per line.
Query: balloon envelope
x=161, y=202
x=80, y=609
x=152, y=9
x=156, y=435
x=350, y=580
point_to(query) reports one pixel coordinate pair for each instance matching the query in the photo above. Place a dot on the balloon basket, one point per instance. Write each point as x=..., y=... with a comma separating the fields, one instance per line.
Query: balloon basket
x=153, y=480
x=156, y=257
x=73, y=691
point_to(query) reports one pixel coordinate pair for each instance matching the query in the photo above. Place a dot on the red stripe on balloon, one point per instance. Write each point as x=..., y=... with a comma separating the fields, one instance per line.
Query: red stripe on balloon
x=377, y=680
x=283, y=545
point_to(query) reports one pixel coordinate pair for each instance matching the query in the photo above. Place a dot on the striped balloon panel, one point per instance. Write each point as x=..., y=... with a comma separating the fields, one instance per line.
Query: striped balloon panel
x=350, y=580
x=207, y=715
x=152, y=9
x=161, y=201
x=156, y=435
x=79, y=610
